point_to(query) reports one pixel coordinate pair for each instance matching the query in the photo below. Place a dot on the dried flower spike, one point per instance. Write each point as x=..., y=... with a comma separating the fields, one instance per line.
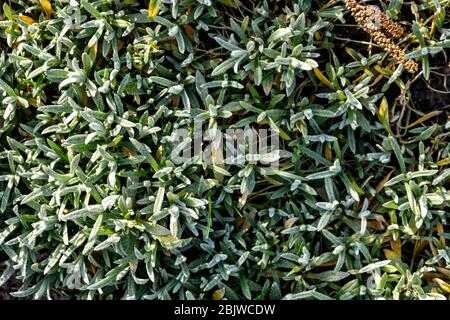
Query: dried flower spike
x=383, y=30
x=383, y=22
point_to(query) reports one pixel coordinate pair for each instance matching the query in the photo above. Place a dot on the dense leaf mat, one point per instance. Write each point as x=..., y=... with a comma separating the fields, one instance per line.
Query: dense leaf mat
x=92, y=206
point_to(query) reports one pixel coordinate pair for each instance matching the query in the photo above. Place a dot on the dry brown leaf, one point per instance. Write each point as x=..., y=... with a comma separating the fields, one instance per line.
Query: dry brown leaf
x=290, y=222
x=444, y=271
x=397, y=247
x=189, y=31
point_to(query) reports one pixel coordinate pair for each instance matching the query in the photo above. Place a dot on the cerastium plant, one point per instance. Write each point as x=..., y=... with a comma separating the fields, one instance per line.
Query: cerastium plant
x=115, y=122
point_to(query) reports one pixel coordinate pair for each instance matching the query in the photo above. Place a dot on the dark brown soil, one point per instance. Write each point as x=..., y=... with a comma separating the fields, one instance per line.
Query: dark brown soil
x=13, y=285
x=434, y=94
x=10, y=286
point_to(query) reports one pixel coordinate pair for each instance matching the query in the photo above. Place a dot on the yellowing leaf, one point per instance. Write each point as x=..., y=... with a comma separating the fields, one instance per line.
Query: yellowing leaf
x=383, y=115
x=442, y=284
x=283, y=135
x=433, y=27
x=218, y=294
x=47, y=7
x=383, y=71
x=322, y=77
x=26, y=19
x=390, y=255
x=93, y=51
x=355, y=186
x=328, y=152
x=397, y=247
x=440, y=230
x=153, y=8
x=167, y=239
x=443, y=162
x=159, y=153
x=383, y=108
x=424, y=118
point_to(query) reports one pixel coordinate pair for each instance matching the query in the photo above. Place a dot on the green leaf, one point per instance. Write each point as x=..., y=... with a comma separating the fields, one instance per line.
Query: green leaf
x=329, y=276
x=375, y=265
x=93, y=234
x=279, y=33
x=223, y=67
x=89, y=210
x=89, y=8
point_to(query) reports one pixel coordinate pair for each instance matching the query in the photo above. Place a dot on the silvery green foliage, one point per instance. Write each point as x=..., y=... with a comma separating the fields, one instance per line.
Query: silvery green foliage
x=92, y=205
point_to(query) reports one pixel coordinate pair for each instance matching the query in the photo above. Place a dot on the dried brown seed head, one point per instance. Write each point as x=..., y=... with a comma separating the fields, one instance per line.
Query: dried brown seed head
x=382, y=29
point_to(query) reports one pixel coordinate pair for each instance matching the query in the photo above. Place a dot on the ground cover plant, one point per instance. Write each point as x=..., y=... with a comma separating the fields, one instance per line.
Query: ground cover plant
x=93, y=205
